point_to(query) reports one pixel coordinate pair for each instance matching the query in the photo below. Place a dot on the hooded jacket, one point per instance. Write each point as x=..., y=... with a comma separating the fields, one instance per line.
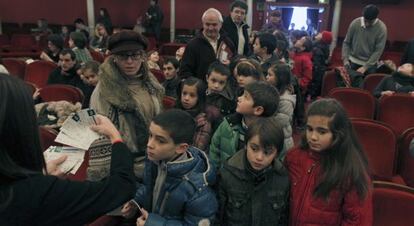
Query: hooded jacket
x=185, y=197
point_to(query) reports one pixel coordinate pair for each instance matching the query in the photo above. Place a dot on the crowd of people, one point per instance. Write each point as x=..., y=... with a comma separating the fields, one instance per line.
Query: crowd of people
x=225, y=154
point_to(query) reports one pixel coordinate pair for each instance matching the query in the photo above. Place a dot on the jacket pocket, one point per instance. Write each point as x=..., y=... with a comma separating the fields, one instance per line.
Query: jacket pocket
x=238, y=209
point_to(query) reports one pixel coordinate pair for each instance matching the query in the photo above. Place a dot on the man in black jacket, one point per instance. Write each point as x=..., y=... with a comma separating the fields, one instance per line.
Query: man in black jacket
x=208, y=46
x=236, y=28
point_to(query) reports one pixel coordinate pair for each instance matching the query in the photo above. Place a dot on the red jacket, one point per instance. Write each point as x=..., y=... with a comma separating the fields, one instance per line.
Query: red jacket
x=302, y=69
x=306, y=210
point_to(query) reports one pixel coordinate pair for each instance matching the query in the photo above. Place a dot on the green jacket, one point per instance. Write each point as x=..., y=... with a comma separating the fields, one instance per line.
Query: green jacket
x=249, y=200
x=226, y=139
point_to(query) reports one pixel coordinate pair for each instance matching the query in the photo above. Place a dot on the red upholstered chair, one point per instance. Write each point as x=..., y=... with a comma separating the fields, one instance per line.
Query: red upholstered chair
x=158, y=74
x=405, y=166
x=169, y=49
x=47, y=137
x=328, y=82
x=15, y=67
x=397, y=111
x=97, y=56
x=32, y=87
x=38, y=72
x=61, y=92
x=168, y=102
x=357, y=102
x=393, y=204
x=380, y=146
x=4, y=40
x=372, y=80
x=23, y=42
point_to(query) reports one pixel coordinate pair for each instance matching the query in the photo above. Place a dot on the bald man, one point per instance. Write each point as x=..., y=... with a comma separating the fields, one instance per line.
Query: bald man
x=209, y=45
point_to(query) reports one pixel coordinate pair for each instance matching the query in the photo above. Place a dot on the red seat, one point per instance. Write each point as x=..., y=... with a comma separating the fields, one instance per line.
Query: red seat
x=4, y=40
x=23, y=42
x=32, y=87
x=47, y=137
x=397, y=111
x=38, y=72
x=152, y=43
x=393, y=56
x=61, y=92
x=393, y=204
x=169, y=49
x=405, y=166
x=372, y=81
x=380, y=146
x=328, y=82
x=357, y=102
x=15, y=67
x=158, y=74
x=168, y=102
x=97, y=56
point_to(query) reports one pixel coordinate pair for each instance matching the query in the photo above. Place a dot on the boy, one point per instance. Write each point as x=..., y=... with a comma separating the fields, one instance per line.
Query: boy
x=220, y=98
x=259, y=99
x=255, y=180
x=263, y=48
x=176, y=177
x=89, y=73
x=170, y=69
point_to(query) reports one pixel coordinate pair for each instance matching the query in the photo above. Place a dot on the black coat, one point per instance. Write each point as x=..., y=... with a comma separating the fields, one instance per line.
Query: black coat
x=398, y=83
x=408, y=56
x=231, y=30
x=50, y=201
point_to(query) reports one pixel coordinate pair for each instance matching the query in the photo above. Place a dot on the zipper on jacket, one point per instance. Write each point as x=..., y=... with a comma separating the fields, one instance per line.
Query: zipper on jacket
x=309, y=172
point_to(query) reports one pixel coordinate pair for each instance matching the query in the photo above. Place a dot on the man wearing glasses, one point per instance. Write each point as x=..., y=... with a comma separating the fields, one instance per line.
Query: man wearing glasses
x=236, y=27
x=127, y=92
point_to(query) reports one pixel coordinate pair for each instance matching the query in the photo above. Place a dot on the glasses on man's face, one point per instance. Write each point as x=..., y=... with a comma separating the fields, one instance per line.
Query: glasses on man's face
x=133, y=56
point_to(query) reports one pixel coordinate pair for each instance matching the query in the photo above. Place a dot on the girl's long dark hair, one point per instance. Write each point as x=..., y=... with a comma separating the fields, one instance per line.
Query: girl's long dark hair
x=20, y=152
x=344, y=164
x=201, y=94
x=283, y=77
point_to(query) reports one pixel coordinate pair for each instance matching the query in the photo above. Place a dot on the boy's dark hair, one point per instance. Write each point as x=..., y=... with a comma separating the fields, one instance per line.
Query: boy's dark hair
x=68, y=51
x=79, y=21
x=178, y=123
x=79, y=39
x=370, y=12
x=239, y=4
x=270, y=134
x=265, y=95
x=249, y=67
x=91, y=65
x=218, y=67
x=56, y=40
x=267, y=40
x=173, y=61
x=344, y=163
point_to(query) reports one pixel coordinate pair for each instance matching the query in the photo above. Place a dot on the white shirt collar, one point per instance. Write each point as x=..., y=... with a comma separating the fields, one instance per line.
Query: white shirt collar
x=363, y=22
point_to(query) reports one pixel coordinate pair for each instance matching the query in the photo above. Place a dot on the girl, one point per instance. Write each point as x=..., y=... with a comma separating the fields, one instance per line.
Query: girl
x=153, y=60
x=250, y=174
x=99, y=41
x=328, y=172
x=192, y=99
x=279, y=75
x=28, y=195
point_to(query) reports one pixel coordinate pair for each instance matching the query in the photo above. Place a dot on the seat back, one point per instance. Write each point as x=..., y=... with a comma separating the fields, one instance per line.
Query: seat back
x=169, y=49
x=379, y=144
x=397, y=111
x=158, y=74
x=405, y=167
x=15, y=67
x=393, y=204
x=357, y=102
x=47, y=137
x=38, y=72
x=97, y=56
x=372, y=80
x=61, y=92
x=328, y=82
x=23, y=42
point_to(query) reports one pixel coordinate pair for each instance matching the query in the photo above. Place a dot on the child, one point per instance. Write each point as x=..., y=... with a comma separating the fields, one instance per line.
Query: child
x=263, y=47
x=279, y=75
x=401, y=81
x=192, y=100
x=89, y=73
x=329, y=172
x=153, y=60
x=171, y=83
x=220, y=98
x=320, y=56
x=254, y=184
x=259, y=99
x=302, y=58
x=248, y=71
x=177, y=176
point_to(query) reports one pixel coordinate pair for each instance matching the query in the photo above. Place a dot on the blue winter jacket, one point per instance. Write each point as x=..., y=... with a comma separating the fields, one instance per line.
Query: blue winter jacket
x=185, y=198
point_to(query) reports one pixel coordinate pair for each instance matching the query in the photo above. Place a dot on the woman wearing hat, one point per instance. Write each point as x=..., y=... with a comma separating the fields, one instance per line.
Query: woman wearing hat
x=127, y=92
